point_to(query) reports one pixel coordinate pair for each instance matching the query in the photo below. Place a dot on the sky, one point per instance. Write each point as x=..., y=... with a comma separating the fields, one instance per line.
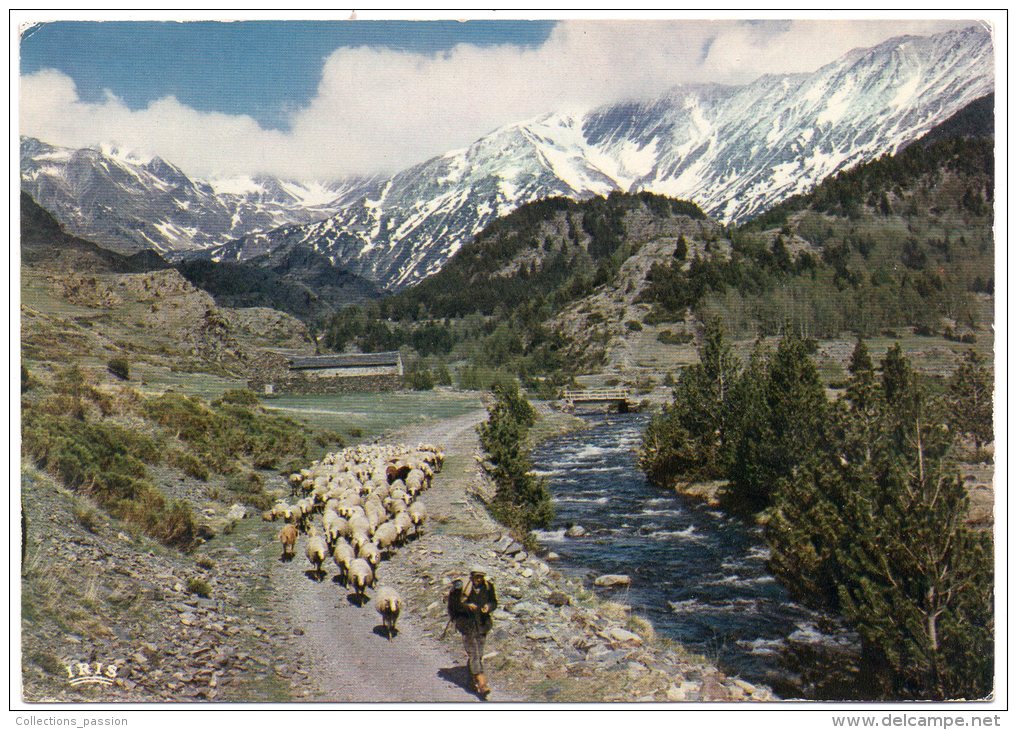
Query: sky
x=323, y=100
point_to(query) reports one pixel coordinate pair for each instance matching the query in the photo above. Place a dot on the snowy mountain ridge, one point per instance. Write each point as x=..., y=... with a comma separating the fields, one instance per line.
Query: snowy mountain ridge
x=733, y=150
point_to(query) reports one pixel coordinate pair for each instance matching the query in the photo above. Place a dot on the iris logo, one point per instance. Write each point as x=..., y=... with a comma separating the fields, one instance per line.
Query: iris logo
x=91, y=673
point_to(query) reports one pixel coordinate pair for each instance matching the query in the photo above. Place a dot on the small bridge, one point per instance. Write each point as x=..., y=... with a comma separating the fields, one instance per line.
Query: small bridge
x=619, y=396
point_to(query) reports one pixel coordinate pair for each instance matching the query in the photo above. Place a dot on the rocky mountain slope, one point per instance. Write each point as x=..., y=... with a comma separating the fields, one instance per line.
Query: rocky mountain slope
x=733, y=150
x=129, y=202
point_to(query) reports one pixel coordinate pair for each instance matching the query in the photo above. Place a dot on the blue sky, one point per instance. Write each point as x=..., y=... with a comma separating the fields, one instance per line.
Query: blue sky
x=265, y=69
x=322, y=100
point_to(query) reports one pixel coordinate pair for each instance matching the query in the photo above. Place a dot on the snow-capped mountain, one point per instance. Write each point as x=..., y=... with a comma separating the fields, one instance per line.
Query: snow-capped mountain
x=733, y=150
x=122, y=200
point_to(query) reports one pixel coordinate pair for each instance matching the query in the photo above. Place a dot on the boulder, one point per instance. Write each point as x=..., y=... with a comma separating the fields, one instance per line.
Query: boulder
x=623, y=636
x=576, y=531
x=612, y=580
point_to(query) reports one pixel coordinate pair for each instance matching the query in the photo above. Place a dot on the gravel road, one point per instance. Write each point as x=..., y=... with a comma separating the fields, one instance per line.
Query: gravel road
x=351, y=659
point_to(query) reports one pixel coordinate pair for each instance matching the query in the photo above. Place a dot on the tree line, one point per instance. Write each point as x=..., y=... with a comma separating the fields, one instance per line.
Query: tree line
x=863, y=504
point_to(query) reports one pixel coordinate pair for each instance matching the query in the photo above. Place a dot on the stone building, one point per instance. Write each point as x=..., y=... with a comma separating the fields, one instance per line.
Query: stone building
x=353, y=373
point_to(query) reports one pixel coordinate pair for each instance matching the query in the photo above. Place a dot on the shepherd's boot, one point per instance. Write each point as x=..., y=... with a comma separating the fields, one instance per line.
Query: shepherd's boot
x=481, y=683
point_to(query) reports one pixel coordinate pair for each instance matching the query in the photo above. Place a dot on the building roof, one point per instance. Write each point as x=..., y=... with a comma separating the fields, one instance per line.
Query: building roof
x=372, y=359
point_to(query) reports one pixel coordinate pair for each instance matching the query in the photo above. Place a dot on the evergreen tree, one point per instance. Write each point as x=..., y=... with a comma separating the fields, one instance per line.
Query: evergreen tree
x=796, y=410
x=681, y=248
x=873, y=526
x=689, y=439
x=971, y=399
x=521, y=500
x=918, y=581
x=897, y=375
x=751, y=436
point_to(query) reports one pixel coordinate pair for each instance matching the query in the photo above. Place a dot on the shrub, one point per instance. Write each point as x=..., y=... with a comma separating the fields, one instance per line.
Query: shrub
x=667, y=337
x=87, y=516
x=107, y=462
x=188, y=463
x=238, y=397
x=199, y=587
x=250, y=488
x=633, y=326
x=119, y=367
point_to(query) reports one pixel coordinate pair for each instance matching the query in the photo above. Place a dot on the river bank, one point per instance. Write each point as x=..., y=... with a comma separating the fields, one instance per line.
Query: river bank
x=554, y=640
x=697, y=575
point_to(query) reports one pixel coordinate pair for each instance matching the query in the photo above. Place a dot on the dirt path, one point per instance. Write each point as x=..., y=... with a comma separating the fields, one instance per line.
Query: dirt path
x=351, y=659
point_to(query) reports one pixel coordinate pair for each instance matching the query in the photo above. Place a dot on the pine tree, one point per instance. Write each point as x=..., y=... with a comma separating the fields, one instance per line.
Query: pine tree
x=796, y=412
x=918, y=584
x=681, y=248
x=751, y=437
x=873, y=526
x=897, y=375
x=689, y=438
x=971, y=399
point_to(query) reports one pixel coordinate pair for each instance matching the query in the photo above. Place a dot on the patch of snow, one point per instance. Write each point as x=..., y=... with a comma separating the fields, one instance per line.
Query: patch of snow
x=241, y=185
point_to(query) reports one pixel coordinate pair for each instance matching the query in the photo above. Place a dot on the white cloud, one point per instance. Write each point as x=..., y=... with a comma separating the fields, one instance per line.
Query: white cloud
x=382, y=110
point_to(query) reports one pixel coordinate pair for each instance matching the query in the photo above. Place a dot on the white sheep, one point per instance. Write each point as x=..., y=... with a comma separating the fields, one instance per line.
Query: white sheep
x=388, y=604
x=359, y=538
x=361, y=576
x=403, y=524
x=417, y=513
x=334, y=526
x=386, y=536
x=316, y=551
x=369, y=552
x=359, y=523
x=343, y=555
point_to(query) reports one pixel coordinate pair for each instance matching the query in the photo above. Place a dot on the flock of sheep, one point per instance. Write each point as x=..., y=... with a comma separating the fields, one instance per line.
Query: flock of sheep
x=366, y=497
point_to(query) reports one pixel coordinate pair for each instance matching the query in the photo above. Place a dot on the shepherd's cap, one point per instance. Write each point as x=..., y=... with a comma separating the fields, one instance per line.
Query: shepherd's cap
x=478, y=570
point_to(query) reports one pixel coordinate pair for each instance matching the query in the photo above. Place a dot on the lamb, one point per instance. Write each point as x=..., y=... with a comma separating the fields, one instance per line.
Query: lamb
x=288, y=538
x=361, y=575
x=316, y=551
x=387, y=603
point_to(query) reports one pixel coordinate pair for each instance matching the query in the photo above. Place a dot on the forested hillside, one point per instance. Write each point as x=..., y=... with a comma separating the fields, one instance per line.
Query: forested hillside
x=553, y=288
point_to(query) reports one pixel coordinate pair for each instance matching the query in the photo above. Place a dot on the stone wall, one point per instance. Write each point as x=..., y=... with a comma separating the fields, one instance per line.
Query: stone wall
x=301, y=384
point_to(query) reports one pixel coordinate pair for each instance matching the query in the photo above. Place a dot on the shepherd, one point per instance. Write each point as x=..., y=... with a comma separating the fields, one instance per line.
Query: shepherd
x=470, y=609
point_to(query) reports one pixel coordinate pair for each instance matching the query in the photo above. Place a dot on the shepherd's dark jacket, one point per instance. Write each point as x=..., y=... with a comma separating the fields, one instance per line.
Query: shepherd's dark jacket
x=475, y=619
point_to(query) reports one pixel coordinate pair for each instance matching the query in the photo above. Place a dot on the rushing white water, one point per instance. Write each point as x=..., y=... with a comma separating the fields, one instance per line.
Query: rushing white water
x=697, y=574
